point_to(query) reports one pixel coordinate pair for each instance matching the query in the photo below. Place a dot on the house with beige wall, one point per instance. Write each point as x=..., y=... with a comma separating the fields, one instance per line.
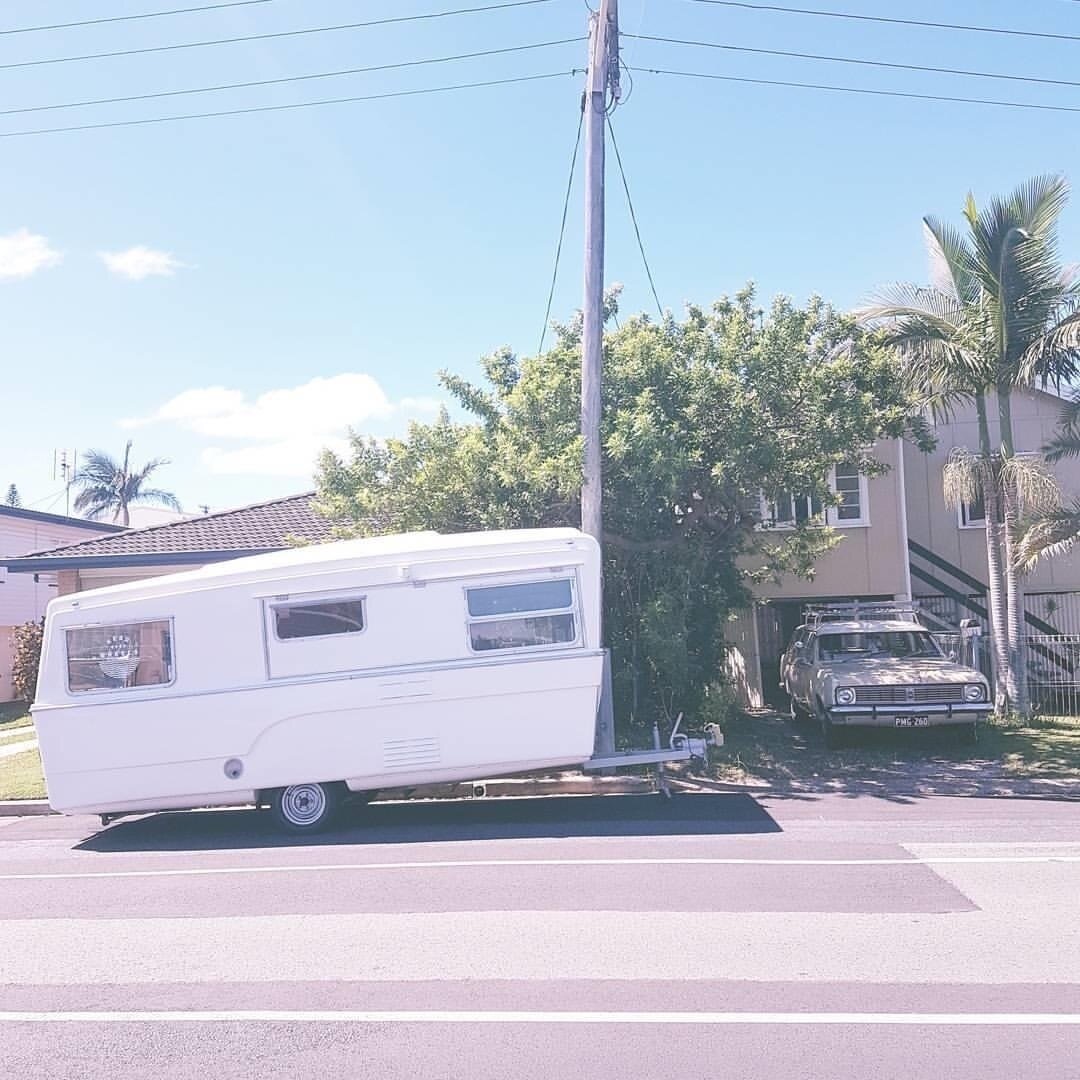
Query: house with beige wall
x=905, y=542
x=23, y=596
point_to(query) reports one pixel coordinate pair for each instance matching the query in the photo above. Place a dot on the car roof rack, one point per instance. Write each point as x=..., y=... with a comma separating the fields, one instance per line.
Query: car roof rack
x=856, y=611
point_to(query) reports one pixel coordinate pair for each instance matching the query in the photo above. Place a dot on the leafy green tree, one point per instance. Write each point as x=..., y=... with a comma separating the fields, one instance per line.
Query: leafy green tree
x=1001, y=312
x=700, y=416
x=108, y=487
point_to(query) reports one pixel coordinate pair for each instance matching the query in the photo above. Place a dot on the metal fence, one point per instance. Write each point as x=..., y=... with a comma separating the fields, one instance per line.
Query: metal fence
x=1053, y=666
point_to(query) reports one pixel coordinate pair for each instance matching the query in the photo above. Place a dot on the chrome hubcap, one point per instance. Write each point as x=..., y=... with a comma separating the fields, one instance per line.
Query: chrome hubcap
x=303, y=804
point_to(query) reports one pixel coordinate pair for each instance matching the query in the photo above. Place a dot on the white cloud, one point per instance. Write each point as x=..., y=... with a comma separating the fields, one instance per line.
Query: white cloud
x=23, y=253
x=323, y=406
x=289, y=457
x=428, y=405
x=286, y=428
x=141, y=262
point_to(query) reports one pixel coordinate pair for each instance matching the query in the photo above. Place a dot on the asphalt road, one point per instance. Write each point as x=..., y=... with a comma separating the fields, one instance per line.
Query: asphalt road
x=619, y=936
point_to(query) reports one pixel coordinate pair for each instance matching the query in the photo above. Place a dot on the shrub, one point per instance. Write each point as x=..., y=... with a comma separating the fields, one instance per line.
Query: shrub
x=26, y=658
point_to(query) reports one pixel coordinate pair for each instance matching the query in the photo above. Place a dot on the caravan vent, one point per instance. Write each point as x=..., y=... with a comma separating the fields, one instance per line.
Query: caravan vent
x=410, y=753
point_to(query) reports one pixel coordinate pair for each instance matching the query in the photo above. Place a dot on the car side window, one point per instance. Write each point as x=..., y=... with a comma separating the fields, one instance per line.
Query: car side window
x=807, y=652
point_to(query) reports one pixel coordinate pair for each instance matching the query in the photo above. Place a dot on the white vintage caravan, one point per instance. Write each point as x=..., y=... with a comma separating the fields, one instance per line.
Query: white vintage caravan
x=298, y=677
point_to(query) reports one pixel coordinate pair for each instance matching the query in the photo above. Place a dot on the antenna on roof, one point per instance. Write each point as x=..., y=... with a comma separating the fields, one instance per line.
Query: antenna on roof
x=66, y=468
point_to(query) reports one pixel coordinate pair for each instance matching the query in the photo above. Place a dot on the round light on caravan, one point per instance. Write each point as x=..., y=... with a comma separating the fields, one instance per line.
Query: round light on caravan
x=845, y=696
x=974, y=692
x=234, y=768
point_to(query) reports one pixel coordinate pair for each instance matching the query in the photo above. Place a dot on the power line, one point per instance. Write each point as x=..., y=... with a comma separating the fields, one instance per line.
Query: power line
x=293, y=105
x=858, y=60
x=891, y=21
x=132, y=18
x=288, y=79
x=562, y=229
x=862, y=90
x=277, y=34
x=633, y=218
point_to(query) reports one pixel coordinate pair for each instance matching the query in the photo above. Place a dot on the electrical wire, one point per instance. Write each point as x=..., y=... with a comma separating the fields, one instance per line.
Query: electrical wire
x=562, y=226
x=633, y=218
x=891, y=21
x=132, y=18
x=276, y=34
x=862, y=90
x=857, y=60
x=292, y=105
x=287, y=79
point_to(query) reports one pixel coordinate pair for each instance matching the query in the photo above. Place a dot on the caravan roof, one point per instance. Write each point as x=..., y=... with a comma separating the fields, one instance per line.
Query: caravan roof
x=366, y=553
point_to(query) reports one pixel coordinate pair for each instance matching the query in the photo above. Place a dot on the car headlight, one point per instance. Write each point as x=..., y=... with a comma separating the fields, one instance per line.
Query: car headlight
x=845, y=696
x=974, y=692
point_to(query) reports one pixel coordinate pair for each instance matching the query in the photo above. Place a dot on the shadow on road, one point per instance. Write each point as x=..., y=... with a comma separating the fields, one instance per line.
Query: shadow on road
x=422, y=822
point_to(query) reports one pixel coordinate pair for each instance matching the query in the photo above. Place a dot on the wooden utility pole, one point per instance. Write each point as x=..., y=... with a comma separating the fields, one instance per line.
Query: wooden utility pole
x=602, y=81
x=601, y=93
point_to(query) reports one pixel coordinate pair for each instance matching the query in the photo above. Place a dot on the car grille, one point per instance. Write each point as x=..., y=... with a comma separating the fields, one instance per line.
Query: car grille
x=932, y=694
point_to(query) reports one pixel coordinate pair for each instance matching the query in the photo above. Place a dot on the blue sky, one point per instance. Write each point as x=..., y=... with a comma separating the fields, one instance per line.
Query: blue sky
x=233, y=293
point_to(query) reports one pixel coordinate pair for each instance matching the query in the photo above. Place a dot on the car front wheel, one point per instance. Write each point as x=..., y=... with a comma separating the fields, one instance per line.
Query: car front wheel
x=829, y=731
x=305, y=808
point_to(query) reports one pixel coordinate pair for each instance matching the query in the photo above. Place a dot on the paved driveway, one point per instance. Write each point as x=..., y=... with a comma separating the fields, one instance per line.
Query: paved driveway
x=624, y=936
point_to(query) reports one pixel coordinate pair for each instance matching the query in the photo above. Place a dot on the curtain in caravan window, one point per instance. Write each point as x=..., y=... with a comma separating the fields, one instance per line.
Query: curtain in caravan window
x=119, y=656
x=318, y=619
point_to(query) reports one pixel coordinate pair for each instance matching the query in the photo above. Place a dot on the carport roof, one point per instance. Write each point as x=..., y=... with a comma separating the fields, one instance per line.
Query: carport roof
x=227, y=534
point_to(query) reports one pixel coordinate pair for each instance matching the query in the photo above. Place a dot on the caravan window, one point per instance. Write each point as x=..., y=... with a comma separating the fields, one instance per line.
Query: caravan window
x=320, y=619
x=120, y=656
x=498, y=618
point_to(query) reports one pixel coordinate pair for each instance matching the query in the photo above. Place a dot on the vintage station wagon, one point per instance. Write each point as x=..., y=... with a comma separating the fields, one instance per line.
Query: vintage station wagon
x=853, y=666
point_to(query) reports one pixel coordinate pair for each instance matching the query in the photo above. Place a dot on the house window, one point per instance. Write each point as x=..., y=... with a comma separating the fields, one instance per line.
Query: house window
x=848, y=483
x=786, y=510
x=120, y=656
x=523, y=615
x=973, y=514
x=322, y=619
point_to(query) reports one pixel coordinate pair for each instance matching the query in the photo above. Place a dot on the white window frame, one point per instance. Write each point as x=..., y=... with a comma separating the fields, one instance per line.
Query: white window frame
x=314, y=599
x=123, y=690
x=962, y=521
x=863, y=520
x=574, y=611
x=829, y=514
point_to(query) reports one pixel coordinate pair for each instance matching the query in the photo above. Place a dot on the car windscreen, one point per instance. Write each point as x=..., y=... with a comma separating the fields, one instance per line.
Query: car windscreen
x=890, y=644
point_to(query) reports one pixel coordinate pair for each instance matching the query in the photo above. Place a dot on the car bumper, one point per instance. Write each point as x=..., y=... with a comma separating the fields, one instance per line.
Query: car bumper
x=907, y=715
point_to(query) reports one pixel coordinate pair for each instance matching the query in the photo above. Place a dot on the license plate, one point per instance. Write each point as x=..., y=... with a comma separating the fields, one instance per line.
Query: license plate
x=912, y=721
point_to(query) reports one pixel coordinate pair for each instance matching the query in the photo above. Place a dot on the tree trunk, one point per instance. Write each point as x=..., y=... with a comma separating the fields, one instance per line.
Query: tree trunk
x=1014, y=589
x=1004, y=692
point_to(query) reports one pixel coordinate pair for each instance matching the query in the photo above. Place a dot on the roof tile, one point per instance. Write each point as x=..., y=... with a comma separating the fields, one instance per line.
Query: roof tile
x=260, y=527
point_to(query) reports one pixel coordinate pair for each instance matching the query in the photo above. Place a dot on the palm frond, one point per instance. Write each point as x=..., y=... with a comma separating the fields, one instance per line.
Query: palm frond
x=965, y=477
x=1049, y=536
x=162, y=498
x=951, y=267
x=1034, y=484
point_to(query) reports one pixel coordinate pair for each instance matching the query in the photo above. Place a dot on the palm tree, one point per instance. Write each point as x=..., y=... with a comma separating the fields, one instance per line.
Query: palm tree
x=111, y=488
x=1001, y=312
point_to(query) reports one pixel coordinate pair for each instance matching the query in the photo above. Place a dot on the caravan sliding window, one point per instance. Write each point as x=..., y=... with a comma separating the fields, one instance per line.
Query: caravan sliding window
x=527, y=614
x=120, y=656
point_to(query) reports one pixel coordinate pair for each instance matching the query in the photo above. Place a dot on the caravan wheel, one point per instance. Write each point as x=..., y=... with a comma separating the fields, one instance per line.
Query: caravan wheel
x=305, y=808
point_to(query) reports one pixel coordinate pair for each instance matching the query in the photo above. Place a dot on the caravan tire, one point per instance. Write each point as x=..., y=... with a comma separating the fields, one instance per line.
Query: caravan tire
x=305, y=808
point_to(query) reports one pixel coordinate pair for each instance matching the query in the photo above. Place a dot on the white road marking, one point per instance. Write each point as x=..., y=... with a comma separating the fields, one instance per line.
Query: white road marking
x=364, y=1016
x=473, y=864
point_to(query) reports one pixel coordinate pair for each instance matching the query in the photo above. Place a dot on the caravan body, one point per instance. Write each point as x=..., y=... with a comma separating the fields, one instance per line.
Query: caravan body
x=368, y=664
